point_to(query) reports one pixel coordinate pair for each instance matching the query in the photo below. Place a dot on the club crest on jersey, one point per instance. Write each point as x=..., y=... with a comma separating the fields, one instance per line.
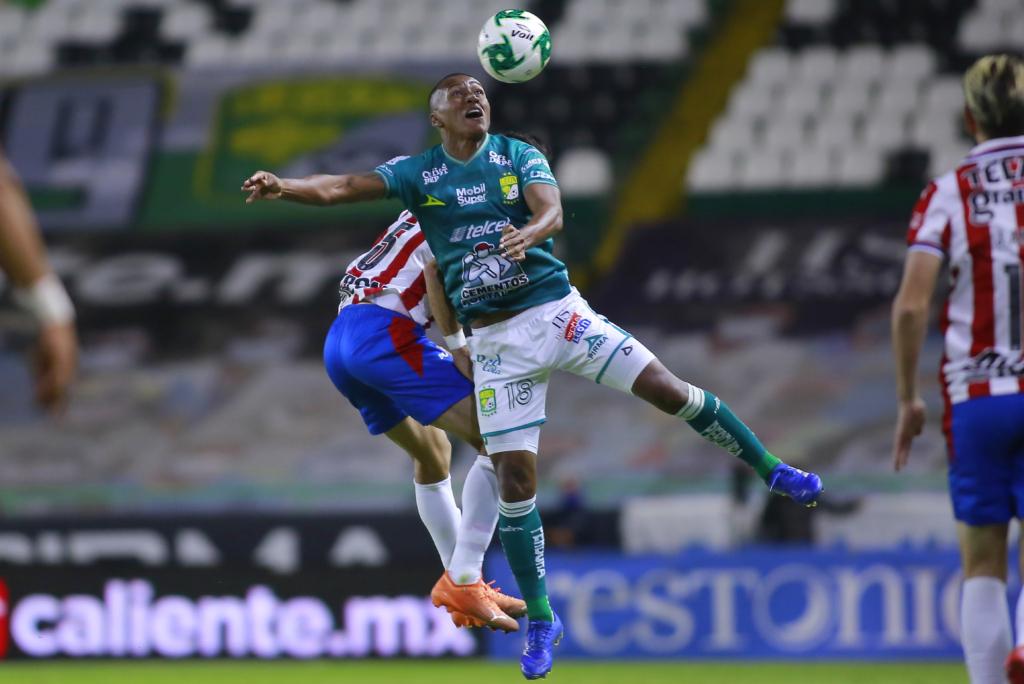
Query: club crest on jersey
x=488, y=401
x=487, y=274
x=509, y=188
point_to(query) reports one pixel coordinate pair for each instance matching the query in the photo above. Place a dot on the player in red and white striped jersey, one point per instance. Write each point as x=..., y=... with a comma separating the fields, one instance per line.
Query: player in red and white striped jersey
x=973, y=219
x=408, y=388
x=391, y=273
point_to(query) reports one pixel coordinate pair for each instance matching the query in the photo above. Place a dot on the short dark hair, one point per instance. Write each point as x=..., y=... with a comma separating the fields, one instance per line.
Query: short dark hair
x=530, y=139
x=437, y=86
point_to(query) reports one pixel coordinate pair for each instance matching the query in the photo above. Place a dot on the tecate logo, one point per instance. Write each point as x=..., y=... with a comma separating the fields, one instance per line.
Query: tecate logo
x=131, y=620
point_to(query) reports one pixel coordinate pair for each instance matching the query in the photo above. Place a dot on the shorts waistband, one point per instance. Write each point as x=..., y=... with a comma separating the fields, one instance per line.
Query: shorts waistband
x=527, y=316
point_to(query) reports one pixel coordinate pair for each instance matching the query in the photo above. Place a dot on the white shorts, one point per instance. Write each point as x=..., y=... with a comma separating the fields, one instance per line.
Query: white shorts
x=513, y=359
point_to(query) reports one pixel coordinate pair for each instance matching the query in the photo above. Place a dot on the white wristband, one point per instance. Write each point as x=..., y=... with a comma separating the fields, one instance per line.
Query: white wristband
x=47, y=301
x=455, y=340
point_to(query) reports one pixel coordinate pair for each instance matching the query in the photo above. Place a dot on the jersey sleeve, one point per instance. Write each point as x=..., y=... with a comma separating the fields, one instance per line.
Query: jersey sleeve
x=532, y=166
x=929, y=223
x=396, y=173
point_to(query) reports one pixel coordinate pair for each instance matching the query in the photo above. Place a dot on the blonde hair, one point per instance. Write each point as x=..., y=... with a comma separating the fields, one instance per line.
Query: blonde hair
x=994, y=92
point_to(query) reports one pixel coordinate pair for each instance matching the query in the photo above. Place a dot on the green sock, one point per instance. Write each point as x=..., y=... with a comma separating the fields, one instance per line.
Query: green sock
x=712, y=418
x=522, y=536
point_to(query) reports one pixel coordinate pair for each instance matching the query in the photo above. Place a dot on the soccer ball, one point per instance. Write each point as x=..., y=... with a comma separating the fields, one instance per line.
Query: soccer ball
x=514, y=46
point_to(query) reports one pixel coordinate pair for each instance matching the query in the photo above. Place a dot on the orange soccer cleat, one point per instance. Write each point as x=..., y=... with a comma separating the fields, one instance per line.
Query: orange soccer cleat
x=510, y=605
x=1015, y=666
x=471, y=605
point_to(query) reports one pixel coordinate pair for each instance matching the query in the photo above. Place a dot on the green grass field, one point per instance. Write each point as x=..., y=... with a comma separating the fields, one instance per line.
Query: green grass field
x=472, y=672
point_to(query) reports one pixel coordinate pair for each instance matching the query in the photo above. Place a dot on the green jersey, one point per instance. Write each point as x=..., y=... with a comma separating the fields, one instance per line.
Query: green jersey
x=462, y=208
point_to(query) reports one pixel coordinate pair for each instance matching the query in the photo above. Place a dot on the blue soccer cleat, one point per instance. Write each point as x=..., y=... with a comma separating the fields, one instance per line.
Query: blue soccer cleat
x=541, y=637
x=804, y=488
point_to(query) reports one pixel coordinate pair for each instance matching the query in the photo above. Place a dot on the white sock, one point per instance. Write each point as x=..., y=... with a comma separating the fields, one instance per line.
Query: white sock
x=985, y=629
x=479, y=518
x=436, y=505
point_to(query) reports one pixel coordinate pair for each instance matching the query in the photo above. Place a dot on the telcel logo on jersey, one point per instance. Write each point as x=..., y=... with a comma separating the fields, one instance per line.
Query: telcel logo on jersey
x=478, y=230
x=434, y=174
x=472, y=195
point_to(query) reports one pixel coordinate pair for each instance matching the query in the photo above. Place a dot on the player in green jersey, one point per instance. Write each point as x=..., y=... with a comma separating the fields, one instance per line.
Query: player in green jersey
x=489, y=206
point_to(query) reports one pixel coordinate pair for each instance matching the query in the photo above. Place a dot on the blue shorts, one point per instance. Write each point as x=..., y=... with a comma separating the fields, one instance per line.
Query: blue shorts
x=986, y=467
x=386, y=366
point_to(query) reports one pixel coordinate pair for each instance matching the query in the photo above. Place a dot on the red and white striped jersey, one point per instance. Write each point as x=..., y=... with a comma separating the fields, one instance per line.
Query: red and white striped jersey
x=974, y=217
x=391, y=272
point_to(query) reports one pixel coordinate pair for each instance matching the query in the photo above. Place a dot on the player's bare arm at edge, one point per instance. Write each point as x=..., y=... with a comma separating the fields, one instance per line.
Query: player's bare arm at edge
x=444, y=316
x=319, y=190
x=545, y=202
x=909, y=325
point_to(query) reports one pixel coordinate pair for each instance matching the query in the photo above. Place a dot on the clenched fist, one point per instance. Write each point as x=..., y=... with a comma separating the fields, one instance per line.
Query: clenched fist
x=262, y=185
x=513, y=243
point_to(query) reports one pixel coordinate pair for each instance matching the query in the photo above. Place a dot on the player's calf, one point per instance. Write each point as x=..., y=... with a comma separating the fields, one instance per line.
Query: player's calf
x=714, y=421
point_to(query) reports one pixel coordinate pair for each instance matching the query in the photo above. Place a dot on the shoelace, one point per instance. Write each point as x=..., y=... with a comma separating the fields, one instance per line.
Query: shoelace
x=536, y=636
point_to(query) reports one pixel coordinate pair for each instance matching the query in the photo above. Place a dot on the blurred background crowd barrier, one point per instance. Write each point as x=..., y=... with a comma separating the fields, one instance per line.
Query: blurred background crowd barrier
x=737, y=177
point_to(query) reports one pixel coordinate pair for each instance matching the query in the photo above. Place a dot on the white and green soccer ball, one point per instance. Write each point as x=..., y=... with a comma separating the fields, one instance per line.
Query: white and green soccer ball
x=514, y=46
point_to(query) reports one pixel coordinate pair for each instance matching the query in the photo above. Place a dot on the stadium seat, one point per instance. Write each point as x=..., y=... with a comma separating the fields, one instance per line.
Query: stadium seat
x=761, y=169
x=751, y=99
x=895, y=100
x=860, y=167
x=836, y=130
x=186, y=21
x=785, y=133
x=711, y=170
x=812, y=167
x=207, y=51
x=811, y=11
x=853, y=101
x=861, y=66
x=731, y=134
x=584, y=172
x=800, y=100
x=770, y=67
x=884, y=133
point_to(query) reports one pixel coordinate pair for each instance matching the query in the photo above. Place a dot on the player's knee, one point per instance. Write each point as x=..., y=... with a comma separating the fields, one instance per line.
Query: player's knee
x=660, y=387
x=984, y=557
x=517, y=475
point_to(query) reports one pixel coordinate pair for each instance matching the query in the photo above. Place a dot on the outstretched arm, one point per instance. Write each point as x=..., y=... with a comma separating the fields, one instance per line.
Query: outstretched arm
x=909, y=324
x=321, y=190
x=545, y=202
x=37, y=288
